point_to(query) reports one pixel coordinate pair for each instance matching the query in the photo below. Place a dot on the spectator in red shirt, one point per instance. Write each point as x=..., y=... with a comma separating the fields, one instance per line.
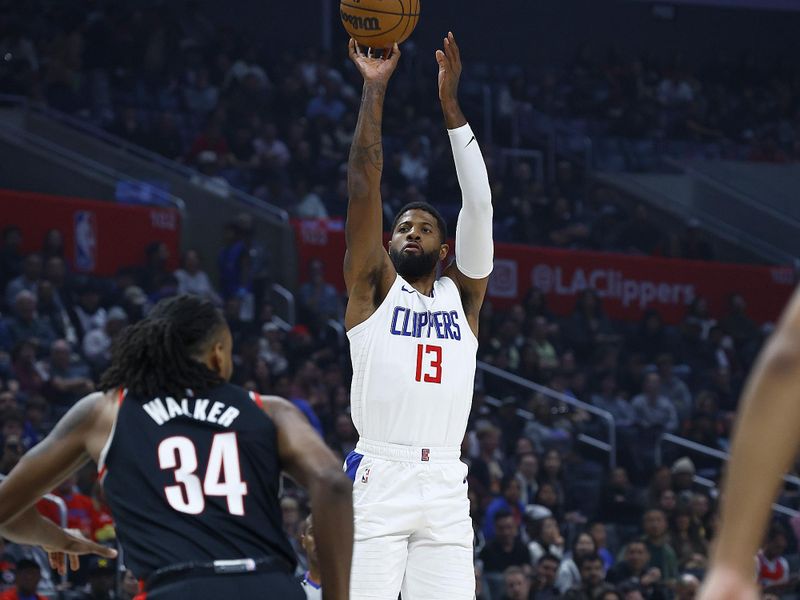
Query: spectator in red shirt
x=81, y=513
x=28, y=575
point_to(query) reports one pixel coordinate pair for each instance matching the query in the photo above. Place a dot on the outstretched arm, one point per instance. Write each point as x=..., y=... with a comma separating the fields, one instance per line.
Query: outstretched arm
x=765, y=444
x=474, y=244
x=366, y=261
x=311, y=463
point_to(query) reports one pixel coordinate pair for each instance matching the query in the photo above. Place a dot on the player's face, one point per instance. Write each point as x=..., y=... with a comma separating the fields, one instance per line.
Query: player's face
x=416, y=246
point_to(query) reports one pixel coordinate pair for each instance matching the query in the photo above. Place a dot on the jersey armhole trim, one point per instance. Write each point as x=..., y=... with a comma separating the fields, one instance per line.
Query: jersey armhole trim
x=256, y=397
x=102, y=470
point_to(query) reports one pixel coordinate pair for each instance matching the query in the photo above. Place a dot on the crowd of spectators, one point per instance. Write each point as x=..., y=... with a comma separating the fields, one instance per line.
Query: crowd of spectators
x=550, y=519
x=279, y=126
x=548, y=513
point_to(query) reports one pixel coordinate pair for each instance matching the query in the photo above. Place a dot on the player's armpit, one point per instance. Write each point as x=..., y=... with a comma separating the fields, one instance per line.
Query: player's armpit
x=50, y=462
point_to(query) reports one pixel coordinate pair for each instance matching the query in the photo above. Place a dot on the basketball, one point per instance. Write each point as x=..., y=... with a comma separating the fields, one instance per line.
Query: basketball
x=379, y=23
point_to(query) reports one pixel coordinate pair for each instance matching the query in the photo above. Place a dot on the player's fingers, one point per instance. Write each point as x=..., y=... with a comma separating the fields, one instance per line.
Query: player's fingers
x=441, y=59
x=351, y=48
x=369, y=52
x=51, y=556
x=357, y=49
x=453, y=44
x=74, y=562
x=395, y=52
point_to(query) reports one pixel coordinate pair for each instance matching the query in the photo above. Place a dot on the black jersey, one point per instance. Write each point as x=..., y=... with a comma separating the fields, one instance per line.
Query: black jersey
x=194, y=479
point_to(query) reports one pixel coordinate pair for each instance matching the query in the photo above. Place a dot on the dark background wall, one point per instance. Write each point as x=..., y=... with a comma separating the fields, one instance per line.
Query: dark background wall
x=543, y=31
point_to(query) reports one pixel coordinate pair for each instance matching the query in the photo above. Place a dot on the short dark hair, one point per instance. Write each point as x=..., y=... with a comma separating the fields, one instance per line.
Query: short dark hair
x=428, y=208
x=549, y=556
x=502, y=514
x=27, y=564
x=156, y=355
x=582, y=560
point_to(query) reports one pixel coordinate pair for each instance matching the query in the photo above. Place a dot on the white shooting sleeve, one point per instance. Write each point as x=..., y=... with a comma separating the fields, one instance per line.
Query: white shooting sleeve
x=474, y=245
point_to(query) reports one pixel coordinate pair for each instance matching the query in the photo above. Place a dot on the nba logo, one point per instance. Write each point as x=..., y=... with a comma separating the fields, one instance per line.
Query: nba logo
x=365, y=476
x=85, y=240
x=426, y=455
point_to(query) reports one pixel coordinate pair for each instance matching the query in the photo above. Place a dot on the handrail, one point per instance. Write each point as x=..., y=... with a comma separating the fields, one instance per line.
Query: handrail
x=93, y=130
x=723, y=456
x=62, y=514
x=86, y=165
x=732, y=191
x=711, y=222
x=339, y=329
x=291, y=313
x=610, y=446
x=707, y=450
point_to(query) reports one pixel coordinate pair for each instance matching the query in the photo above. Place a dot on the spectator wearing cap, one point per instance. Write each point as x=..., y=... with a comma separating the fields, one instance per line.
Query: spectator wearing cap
x=509, y=501
x=688, y=586
x=28, y=575
x=97, y=343
x=193, y=280
x=67, y=377
x=635, y=568
x=31, y=274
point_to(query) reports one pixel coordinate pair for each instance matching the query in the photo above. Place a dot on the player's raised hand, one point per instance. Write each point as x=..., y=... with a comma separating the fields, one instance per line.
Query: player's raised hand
x=449, y=61
x=73, y=545
x=372, y=69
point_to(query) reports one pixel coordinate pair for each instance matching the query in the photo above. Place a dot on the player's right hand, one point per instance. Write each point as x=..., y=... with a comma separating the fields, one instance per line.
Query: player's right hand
x=71, y=546
x=726, y=584
x=374, y=70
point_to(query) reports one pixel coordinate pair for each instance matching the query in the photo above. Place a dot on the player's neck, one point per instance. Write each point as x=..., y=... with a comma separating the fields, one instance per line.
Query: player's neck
x=424, y=284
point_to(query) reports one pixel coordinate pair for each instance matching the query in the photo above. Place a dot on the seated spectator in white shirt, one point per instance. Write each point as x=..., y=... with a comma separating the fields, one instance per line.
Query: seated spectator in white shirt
x=193, y=280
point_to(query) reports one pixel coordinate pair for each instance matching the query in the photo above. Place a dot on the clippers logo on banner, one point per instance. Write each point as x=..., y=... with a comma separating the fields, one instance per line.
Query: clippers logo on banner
x=503, y=281
x=85, y=240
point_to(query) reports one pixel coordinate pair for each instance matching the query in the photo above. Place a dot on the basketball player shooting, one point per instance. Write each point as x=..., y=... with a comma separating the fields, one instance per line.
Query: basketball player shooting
x=413, y=343
x=765, y=445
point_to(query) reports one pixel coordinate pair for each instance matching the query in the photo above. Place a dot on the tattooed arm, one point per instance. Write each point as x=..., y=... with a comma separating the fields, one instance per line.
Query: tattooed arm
x=368, y=272
x=76, y=439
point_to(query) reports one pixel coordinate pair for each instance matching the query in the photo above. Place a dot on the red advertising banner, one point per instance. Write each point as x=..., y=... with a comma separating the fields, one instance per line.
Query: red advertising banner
x=627, y=285
x=99, y=237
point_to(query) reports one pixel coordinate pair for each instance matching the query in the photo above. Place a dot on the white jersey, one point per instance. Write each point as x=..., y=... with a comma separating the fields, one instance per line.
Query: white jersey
x=414, y=368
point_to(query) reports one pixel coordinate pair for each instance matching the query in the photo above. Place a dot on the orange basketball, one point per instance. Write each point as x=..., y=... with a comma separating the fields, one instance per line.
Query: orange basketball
x=379, y=23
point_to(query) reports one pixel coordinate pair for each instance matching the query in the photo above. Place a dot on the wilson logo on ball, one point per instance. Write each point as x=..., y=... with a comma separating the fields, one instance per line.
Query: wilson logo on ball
x=361, y=23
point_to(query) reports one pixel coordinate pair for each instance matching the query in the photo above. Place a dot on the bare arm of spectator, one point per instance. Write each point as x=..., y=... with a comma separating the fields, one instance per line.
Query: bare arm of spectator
x=765, y=444
x=309, y=461
x=368, y=271
x=70, y=385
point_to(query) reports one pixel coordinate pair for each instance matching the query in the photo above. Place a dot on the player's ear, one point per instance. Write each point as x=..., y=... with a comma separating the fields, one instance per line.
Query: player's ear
x=217, y=358
x=443, y=250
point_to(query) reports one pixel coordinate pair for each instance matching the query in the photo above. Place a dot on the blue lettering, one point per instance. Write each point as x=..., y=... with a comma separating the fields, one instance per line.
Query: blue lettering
x=421, y=322
x=393, y=329
x=406, y=331
x=456, y=327
x=448, y=334
x=437, y=323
